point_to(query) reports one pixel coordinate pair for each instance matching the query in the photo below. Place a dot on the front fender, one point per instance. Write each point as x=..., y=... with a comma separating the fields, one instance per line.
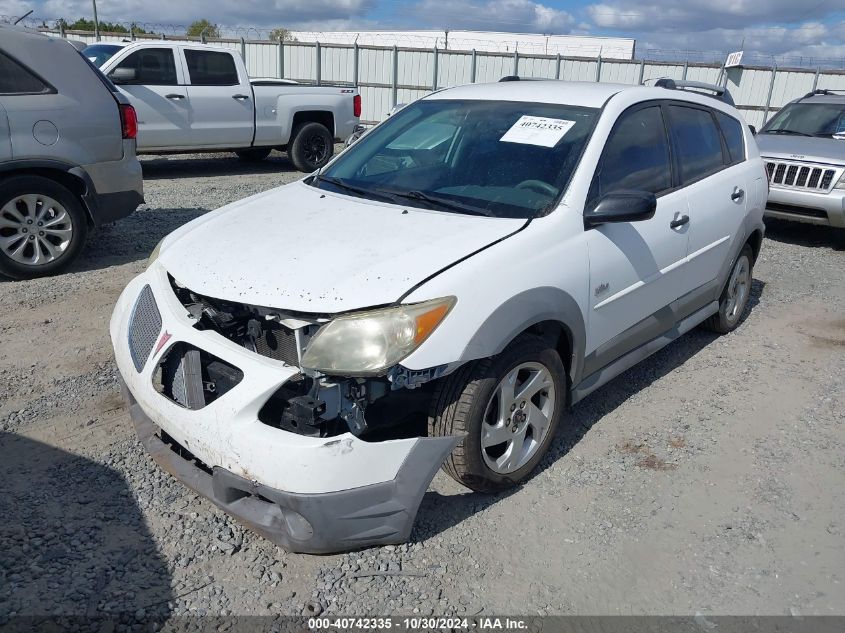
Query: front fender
x=524, y=310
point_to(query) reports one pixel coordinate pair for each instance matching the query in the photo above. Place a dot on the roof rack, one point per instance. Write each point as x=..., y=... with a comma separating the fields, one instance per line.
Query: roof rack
x=719, y=92
x=518, y=78
x=823, y=91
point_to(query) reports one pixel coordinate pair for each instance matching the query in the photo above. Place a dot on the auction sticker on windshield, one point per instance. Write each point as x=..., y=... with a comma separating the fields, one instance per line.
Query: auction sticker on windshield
x=537, y=130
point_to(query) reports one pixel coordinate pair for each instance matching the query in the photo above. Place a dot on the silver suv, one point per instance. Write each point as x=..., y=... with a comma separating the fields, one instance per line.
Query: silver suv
x=67, y=153
x=803, y=146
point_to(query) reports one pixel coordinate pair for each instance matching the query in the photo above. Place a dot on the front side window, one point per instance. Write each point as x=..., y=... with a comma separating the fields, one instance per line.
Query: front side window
x=808, y=119
x=636, y=155
x=496, y=158
x=17, y=80
x=734, y=139
x=208, y=68
x=152, y=66
x=698, y=143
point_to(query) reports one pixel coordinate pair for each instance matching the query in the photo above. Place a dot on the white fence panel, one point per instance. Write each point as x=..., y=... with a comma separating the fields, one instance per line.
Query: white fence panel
x=337, y=65
x=620, y=72
x=453, y=69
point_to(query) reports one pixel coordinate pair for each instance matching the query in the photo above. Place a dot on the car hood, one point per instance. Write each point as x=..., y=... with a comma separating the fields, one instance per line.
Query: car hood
x=303, y=249
x=812, y=149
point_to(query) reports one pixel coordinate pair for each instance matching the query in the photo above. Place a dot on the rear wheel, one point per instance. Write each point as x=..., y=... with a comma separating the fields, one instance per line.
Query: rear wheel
x=735, y=295
x=42, y=227
x=312, y=147
x=509, y=407
x=254, y=154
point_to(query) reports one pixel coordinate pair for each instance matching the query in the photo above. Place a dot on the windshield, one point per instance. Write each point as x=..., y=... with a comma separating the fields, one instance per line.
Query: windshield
x=496, y=158
x=808, y=119
x=99, y=54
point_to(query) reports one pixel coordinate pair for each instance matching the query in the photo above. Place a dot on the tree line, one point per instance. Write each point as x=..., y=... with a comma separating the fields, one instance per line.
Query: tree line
x=198, y=28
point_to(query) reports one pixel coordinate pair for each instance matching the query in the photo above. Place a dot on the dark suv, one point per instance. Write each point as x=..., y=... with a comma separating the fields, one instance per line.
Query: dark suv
x=67, y=153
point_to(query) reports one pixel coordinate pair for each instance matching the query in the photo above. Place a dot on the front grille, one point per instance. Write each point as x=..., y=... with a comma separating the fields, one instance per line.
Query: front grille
x=800, y=176
x=144, y=328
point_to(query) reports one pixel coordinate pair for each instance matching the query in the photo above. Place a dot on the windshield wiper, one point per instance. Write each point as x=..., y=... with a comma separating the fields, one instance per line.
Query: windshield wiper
x=783, y=131
x=337, y=182
x=445, y=203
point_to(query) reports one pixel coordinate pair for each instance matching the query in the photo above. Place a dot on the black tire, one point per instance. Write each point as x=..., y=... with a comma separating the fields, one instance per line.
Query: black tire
x=730, y=313
x=311, y=148
x=460, y=403
x=254, y=154
x=36, y=185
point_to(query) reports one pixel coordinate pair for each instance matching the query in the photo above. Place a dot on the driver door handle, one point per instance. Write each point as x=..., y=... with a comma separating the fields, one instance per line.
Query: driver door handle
x=674, y=224
x=240, y=97
x=736, y=196
x=174, y=95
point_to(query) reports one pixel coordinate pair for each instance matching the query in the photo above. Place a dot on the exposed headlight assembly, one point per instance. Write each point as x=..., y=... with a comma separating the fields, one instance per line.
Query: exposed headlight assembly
x=368, y=343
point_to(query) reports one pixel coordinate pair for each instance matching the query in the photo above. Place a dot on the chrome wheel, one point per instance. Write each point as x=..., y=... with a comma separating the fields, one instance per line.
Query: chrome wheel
x=518, y=417
x=34, y=229
x=739, y=287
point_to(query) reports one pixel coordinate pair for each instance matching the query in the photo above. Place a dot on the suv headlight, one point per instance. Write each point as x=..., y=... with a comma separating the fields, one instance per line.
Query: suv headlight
x=840, y=184
x=367, y=343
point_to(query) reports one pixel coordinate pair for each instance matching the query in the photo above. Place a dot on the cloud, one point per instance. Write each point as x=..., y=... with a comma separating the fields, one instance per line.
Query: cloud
x=703, y=15
x=494, y=15
x=258, y=13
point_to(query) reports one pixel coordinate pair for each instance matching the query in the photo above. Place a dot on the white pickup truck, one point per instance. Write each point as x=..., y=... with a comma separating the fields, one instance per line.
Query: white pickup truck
x=191, y=97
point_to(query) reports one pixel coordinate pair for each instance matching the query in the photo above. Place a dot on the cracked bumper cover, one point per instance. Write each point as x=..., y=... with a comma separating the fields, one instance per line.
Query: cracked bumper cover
x=318, y=523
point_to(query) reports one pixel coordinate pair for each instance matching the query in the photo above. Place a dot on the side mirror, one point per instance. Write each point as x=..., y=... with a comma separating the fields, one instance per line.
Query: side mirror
x=753, y=129
x=622, y=206
x=123, y=75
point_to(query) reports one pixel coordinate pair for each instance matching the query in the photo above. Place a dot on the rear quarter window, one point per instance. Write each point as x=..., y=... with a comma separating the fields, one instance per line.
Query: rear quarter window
x=734, y=139
x=15, y=79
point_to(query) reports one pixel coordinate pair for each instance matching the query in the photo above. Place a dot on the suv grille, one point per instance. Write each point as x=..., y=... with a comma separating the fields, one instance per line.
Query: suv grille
x=144, y=327
x=800, y=176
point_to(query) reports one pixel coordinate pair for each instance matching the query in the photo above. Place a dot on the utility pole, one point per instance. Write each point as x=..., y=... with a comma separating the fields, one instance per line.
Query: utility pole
x=96, y=22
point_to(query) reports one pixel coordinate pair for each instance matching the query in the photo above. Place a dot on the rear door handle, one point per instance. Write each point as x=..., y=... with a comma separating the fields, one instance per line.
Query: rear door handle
x=174, y=95
x=736, y=196
x=674, y=224
x=240, y=97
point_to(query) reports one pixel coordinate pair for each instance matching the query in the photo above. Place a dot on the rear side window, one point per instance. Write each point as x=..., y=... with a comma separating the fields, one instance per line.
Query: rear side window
x=732, y=131
x=153, y=67
x=636, y=155
x=208, y=68
x=698, y=142
x=17, y=80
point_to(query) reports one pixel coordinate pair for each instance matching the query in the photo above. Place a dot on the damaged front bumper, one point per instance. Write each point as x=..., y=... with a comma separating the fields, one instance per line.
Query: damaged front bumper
x=307, y=494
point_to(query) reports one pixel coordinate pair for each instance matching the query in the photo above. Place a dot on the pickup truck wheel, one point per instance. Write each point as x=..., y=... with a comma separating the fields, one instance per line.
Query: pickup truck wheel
x=254, y=154
x=509, y=407
x=42, y=227
x=312, y=147
x=735, y=295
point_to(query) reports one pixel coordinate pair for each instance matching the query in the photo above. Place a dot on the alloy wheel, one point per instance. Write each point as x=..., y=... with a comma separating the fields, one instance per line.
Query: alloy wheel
x=34, y=229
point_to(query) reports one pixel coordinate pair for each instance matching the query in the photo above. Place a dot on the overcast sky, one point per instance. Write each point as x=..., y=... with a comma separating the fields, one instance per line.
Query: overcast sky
x=778, y=27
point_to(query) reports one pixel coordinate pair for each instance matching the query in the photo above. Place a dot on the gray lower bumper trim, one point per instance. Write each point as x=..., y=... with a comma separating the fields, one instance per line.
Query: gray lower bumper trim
x=378, y=514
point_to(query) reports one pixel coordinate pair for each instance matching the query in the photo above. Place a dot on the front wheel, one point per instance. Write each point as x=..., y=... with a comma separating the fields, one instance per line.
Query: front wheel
x=311, y=148
x=735, y=295
x=509, y=407
x=42, y=227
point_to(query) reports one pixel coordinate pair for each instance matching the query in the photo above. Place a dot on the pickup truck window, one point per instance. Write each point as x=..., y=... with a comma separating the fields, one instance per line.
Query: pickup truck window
x=153, y=67
x=636, y=155
x=99, y=54
x=209, y=68
x=17, y=80
x=450, y=155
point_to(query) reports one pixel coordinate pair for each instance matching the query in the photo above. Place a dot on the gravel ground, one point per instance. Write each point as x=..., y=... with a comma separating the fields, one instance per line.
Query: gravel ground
x=708, y=479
